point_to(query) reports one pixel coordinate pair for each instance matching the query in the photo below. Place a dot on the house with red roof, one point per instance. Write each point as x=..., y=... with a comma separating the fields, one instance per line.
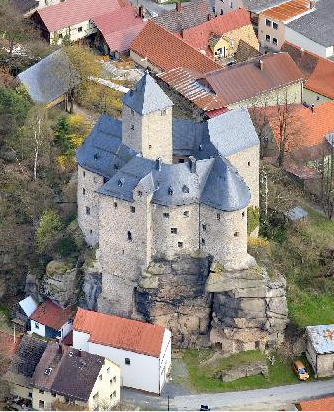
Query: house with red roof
x=142, y=350
x=73, y=19
x=51, y=320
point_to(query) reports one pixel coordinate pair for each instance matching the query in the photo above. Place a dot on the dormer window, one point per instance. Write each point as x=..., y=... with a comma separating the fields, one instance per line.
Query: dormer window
x=185, y=189
x=170, y=191
x=200, y=147
x=96, y=156
x=120, y=183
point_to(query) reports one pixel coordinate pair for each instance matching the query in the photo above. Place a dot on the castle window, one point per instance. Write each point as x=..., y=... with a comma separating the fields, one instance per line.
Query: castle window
x=83, y=191
x=185, y=189
x=132, y=127
x=127, y=361
x=218, y=216
x=186, y=213
x=173, y=230
x=166, y=215
x=90, y=232
x=87, y=210
x=248, y=163
x=203, y=241
x=84, y=173
x=180, y=244
x=150, y=146
x=129, y=236
x=163, y=112
x=132, y=209
x=204, y=227
x=170, y=191
x=236, y=234
x=115, y=205
x=243, y=214
x=140, y=193
x=132, y=112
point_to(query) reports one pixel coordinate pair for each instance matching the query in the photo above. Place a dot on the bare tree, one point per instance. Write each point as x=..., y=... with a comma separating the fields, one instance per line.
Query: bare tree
x=326, y=167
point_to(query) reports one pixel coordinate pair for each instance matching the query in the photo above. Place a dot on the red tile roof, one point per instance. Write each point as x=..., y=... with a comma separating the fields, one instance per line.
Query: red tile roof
x=314, y=125
x=7, y=343
x=119, y=28
x=288, y=10
x=165, y=50
x=321, y=404
x=319, y=72
x=50, y=314
x=120, y=333
x=198, y=36
x=70, y=12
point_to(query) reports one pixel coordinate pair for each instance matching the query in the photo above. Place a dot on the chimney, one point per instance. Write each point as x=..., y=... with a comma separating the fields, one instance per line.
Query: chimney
x=79, y=353
x=192, y=164
x=209, y=17
x=141, y=11
x=312, y=4
x=261, y=64
x=302, y=51
x=158, y=163
x=312, y=108
x=178, y=6
x=182, y=33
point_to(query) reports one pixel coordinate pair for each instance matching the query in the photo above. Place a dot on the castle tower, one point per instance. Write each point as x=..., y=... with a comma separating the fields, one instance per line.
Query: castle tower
x=147, y=120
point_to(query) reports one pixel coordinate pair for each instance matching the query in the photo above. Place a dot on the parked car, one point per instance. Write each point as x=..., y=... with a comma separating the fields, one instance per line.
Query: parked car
x=205, y=408
x=300, y=370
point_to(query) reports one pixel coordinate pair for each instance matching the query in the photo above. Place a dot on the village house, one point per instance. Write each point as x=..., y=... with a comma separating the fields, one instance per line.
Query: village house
x=24, y=309
x=142, y=350
x=23, y=365
x=261, y=82
x=272, y=21
x=320, y=349
x=314, y=31
x=73, y=19
x=51, y=320
x=65, y=378
x=318, y=72
x=227, y=38
x=28, y=7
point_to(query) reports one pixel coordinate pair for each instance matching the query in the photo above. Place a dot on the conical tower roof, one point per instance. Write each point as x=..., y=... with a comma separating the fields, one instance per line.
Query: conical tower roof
x=147, y=97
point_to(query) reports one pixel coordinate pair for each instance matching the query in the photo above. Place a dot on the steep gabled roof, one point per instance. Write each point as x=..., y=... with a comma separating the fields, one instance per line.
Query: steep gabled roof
x=121, y=333
x=50, y=314
x=69, y=12
x=257, y=6
x=191, y=14
x=289, y=10
x=166, y=51
x=147, y=97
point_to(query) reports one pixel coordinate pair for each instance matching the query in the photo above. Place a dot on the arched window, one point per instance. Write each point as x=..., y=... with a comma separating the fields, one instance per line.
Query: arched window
x=129, y=236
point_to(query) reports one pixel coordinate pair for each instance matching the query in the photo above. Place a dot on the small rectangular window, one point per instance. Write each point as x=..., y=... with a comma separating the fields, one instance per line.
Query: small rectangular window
x=132, y=127
x=132, y=209
x=114, y=379
x=274, y=41
x=83, y=191
x=140, y=193
x=231, y=5
x=30, y=395
x=268, y=23
x=36, y=325
x=181, y=160
x=186, y=213
x=41, y=404
x=236, y=234
x=115, y=205
x=163, y=112
x=267, y=38
x=60, y=35
x=150, y=146
x=165, y=215
x=275, y=25
x=203, y=241
x=87, y=210
x=243, y=214
x=84, y=173
x=114, y=394
x=127, y=361
x=180, y=244
x=41, y=391
x=100, y=377
x=79, y=29
x=129, y=236
x=173, y=230
x=204, y=227
x=108, y=370
x=218, y=216
x=248, y=163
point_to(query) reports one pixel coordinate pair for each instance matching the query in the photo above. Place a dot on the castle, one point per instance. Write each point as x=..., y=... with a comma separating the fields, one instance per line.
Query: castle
x=154, y=188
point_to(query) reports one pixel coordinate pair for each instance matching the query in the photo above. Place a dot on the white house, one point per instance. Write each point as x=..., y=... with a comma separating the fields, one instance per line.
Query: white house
x=142, y=350
x=51, y=320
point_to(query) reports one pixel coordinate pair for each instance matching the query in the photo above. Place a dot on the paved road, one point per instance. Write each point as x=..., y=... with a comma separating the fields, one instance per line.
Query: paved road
x=259, y=399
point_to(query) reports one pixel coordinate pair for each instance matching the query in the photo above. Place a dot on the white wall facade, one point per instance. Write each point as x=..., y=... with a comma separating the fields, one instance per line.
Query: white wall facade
x=165, y=357
x=80, y=340
x=75, y=32
x=307, y=44
x=66, y=329
x=37, y=328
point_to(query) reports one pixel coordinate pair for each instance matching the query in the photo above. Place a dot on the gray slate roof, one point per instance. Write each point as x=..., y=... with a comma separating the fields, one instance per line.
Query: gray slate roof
x=48, y=79
x=147, y=97
x=317, y=25
x=191, y=14
x=321, y=338
x=103, y=152
x=259, y=5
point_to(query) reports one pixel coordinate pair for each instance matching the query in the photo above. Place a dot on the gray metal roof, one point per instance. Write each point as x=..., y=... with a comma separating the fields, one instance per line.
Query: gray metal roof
x=48, y=79
x=259, y=5
x=318, y=24
x=28, y=305
x=103, y=151
x=321, y=338
x=147, y=97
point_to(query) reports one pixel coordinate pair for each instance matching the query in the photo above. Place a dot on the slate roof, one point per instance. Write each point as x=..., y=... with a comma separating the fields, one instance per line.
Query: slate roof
x=259, y=5
x=119, y=28
x=176, y=53
x=47, y=80
x=191, y=14
x=318, y=72
x=321, y=338
x=103, y=152
x=50, y=314
x=28, y=355
x=121, y=333
x=69, y=12
x=317, y=25
x=147, y=97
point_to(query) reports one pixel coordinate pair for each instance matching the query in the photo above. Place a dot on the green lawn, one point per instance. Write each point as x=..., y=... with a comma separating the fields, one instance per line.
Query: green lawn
x=201, y=379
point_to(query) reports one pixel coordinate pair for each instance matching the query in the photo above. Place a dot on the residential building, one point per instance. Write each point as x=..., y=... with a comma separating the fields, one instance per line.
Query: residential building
x=23, y=311
x=314, y=31
x=222, y=37
x=49, y=81
x=117, y=30
x=318, y=72
x=160, y=50
x=23, y=365
x=67, y=378
x=142, y=350
x=260, y=82
x=318, y=404
x=320, y=349
x=28, y=7
x=51, y=320
x=73, y=19
x=272, y=21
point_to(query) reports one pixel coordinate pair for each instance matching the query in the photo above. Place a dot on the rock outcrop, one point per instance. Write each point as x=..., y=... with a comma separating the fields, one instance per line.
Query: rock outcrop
x=241, y=371
x=92, y=285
